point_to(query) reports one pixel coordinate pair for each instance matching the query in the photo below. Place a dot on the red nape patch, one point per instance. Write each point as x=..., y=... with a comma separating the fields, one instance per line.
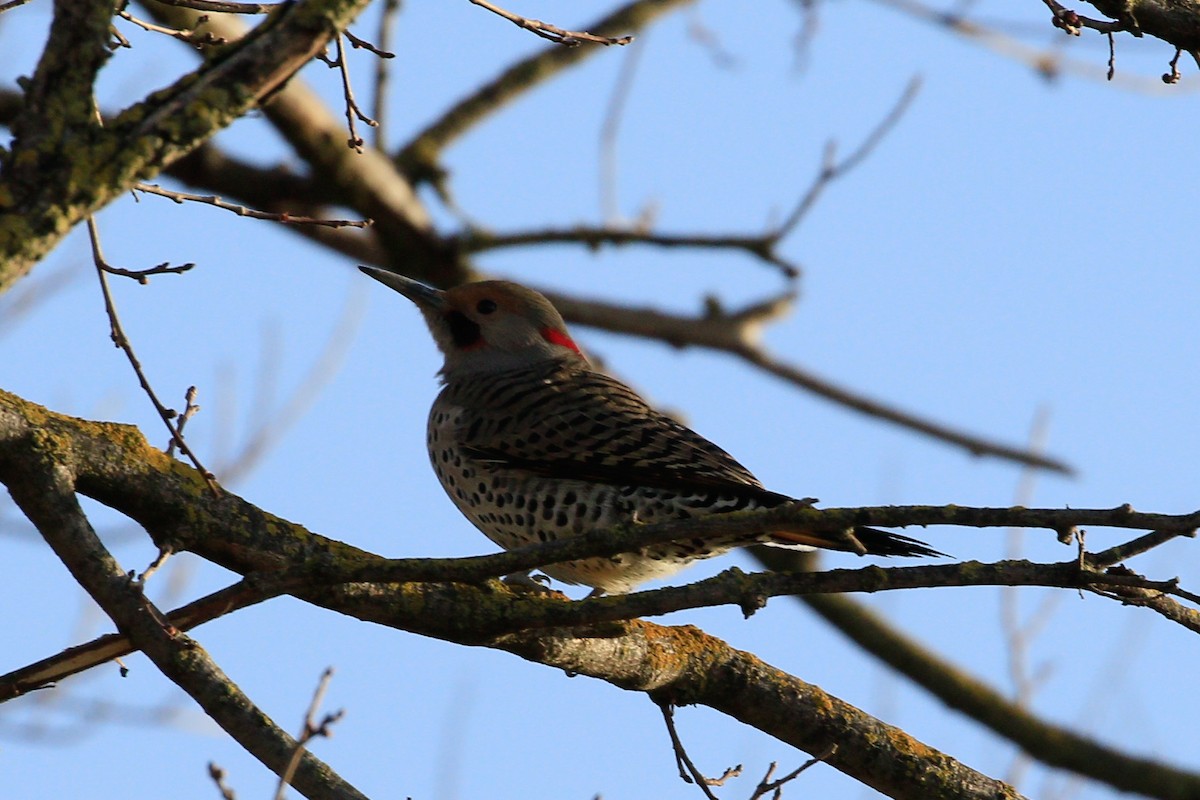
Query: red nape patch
x=558, y=337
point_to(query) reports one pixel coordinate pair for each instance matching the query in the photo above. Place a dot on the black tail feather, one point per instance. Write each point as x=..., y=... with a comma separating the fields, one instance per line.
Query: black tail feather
x=883, y=543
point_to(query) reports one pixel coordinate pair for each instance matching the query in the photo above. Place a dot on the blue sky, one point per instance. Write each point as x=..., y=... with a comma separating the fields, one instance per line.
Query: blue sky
x=1015, y=246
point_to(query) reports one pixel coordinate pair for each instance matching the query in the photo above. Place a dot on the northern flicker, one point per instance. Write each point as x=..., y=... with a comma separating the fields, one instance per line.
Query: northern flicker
x=532, y=444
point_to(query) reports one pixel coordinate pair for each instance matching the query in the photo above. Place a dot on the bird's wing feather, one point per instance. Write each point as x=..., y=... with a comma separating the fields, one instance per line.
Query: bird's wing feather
x=590, y=427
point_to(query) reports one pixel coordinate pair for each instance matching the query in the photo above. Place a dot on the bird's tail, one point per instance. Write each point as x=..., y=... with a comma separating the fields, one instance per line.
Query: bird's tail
x=864, y=541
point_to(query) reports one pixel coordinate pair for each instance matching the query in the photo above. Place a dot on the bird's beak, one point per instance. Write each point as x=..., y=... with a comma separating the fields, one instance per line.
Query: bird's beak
x=424, y=296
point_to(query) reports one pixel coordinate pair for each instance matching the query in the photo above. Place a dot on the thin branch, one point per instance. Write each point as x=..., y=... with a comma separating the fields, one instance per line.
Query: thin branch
x=116, y=467
x=367, y=182
x=192, y=37
x=419, y=158
x=476, y=240
x=1174, y=75
x=1155, y=600
x=47, y=497
x=190, y=410
x=218, y=777
x=737, y=333
x=387, y=25
x=768, y=786
x=358, y=43
x=548, y=31
x=310, y=730
x=223, y=6
x=1047, y=63
x=142, y=276
x=122, y=341
x=80, y=658
x=1019, y=632
x=688, y=771
x=353, y=112
x=747, y=591
x=1072, y=23
x=833, y=169
x=243, y=211
x=272, y=425
x=11, y=4
x=610, y=204
x=763, y=246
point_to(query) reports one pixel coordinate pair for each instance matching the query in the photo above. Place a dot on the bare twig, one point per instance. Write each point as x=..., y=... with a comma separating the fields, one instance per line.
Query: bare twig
x=353, y=112
x=832, y=169
x=164, y=553
x=387, y=24
x=1153, y=599
x=688, y=770
x=311, y=730
x=1174, y=75
x=766, y=785
x=1047, y=63
x=1019, y=633
x=11, y=4
x=189, y=410
x=359, y=43
x=419, y=158
x=610, y=205
x=113, y=646
x=192, y=37
x=142, y=276
x=243, y=211
x=1072, y=23
x=46, y=494
x=548, y=31
x=223, y=6
x=270, y=425
x=218, y=777
x=120, y=340
x=737, y=333
x=118, y=38
x=761, y=246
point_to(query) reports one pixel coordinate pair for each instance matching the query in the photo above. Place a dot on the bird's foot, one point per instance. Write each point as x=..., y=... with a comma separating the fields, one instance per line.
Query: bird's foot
x=525, y=583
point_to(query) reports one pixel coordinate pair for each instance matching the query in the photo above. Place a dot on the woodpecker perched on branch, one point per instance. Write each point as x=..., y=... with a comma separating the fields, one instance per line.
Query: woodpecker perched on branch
x=533, y=445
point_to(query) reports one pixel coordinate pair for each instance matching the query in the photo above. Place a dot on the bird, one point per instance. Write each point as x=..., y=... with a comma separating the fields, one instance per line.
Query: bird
x=533, y=444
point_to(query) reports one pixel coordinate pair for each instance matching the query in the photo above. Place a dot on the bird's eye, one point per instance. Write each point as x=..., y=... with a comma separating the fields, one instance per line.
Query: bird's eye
x=485, y=306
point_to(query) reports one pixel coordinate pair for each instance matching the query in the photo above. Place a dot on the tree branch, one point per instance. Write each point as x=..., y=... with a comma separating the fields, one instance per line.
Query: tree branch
x=115, y=465
x=419, y=158
x=737, y=333
x=54, y=178
x=367, y=181
x=47, y=497
x=1045, y=742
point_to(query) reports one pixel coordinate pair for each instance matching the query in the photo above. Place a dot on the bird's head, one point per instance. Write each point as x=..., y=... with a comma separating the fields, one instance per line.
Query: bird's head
x=489, y=326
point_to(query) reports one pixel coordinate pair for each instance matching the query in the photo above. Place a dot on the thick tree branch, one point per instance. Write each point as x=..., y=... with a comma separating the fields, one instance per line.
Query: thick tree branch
x=685, y=666
x=43, y=488
x=750, y=592
x=115, y=465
